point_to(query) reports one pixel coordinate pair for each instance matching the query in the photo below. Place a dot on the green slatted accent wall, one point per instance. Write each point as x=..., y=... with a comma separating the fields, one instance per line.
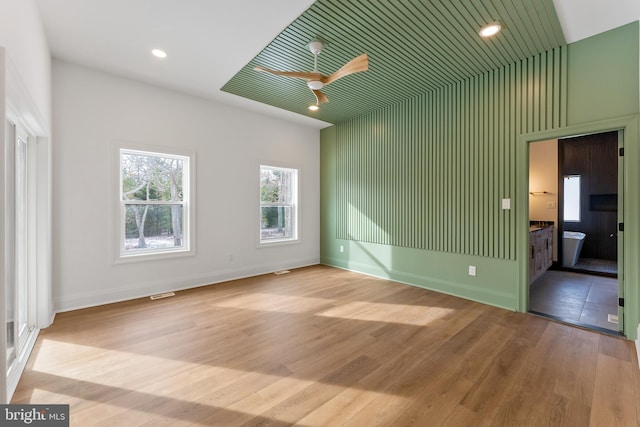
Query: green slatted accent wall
x=430, y=172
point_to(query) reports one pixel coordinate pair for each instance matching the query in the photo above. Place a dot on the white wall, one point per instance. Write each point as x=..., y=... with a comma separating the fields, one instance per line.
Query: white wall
x=543, y=176
x=92, y=110
x=25, y=89
x=22, y=35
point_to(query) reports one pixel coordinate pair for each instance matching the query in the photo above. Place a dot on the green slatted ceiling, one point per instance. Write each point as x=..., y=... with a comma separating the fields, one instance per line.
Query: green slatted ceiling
x=429, y=172
x=414, y=47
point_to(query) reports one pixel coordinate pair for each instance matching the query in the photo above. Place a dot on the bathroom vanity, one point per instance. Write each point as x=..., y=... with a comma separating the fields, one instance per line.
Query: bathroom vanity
x=540, y=248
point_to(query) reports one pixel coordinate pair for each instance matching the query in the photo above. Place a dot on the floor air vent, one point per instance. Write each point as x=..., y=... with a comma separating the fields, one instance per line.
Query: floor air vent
x=281, y=272
x=164, y=295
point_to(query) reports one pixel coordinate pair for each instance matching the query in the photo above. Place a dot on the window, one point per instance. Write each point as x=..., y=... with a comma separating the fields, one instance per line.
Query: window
x=154, y=197
x=572, y=198
x=278, y=204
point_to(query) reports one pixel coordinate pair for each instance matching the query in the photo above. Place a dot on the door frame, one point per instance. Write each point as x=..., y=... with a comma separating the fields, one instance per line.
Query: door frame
x=629, y=273
x=620, y=234
x=17, y=106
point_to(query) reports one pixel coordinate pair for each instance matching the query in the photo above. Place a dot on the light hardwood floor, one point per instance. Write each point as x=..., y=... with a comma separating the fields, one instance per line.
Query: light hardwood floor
x=326, y=347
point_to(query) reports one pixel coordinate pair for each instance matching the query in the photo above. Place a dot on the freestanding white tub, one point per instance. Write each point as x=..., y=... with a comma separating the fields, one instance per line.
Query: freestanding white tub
x=571, y=246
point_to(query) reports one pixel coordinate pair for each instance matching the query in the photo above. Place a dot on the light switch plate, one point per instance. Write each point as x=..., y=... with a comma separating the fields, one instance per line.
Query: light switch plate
x=506, y=203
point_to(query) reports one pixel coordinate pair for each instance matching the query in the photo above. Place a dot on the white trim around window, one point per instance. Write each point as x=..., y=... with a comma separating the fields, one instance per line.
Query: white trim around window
x=125, y=202
x=278, y=213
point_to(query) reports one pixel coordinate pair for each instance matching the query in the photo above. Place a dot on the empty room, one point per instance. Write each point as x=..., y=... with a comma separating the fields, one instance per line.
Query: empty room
x=320, y=213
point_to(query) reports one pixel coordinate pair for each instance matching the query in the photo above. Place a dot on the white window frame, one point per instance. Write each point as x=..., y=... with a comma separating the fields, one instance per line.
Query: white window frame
x=188, y=204
x=576, y=200
x=295, y=216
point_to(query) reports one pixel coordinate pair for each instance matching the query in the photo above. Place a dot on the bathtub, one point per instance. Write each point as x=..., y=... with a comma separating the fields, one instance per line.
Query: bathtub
x=571, y=246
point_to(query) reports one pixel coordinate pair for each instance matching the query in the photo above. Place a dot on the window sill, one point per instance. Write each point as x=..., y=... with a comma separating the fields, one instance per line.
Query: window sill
x=154, y=256
x=284, y=242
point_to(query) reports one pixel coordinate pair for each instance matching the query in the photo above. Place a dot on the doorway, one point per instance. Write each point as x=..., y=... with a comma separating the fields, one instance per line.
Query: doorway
x=574, y=184
x=25, y=195
x=589, y=196
x=20, y=295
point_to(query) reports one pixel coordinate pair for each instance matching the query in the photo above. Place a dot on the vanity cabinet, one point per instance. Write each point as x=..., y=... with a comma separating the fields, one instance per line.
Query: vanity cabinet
x=540, y=251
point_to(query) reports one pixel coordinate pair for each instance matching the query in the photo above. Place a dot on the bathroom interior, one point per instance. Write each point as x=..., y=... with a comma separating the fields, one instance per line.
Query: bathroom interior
x=573, y=230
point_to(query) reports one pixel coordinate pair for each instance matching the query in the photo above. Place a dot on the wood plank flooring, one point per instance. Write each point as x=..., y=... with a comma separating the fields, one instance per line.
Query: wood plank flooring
x=326, y=347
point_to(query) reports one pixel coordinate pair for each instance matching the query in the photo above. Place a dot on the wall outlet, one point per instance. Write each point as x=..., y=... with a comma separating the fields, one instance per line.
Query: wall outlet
x=506, y=203
x=341, y=248
x=472, y=270
x=551, y=205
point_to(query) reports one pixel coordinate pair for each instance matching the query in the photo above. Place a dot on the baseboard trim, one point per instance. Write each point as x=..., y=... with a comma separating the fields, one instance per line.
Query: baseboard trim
x=431, y=283
x=141, y=290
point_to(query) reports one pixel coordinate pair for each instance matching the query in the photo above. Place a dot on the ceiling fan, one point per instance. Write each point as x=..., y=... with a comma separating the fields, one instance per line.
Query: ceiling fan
x=316, y=80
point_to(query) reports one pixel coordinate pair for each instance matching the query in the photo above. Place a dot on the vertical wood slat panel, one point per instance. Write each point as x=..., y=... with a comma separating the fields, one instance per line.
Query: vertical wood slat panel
x=430, y=172
x=471, y=98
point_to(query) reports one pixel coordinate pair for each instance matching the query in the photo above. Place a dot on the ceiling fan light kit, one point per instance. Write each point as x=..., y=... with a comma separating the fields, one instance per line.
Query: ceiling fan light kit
x=316, y=47
x=315, y=84
x=315, y=79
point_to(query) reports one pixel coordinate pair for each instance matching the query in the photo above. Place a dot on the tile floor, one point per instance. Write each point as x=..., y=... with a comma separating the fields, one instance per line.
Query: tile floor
x=576, y=298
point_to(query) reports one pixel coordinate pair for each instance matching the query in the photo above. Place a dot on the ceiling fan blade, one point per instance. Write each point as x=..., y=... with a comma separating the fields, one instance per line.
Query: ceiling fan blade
x=320, y=97
x=356, y=65
x=294, y=74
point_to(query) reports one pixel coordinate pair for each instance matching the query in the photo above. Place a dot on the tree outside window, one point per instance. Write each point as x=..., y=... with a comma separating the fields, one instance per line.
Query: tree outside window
x=278, y=204
x=153, y=201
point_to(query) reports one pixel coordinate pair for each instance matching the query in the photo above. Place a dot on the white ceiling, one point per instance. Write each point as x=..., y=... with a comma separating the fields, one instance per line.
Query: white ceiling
x=209, y=41
x=584, y=18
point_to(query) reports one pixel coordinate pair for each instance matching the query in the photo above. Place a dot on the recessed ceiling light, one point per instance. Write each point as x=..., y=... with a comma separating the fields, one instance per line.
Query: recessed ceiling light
x=490, y=30
x=159, y=53
x=314, y=107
